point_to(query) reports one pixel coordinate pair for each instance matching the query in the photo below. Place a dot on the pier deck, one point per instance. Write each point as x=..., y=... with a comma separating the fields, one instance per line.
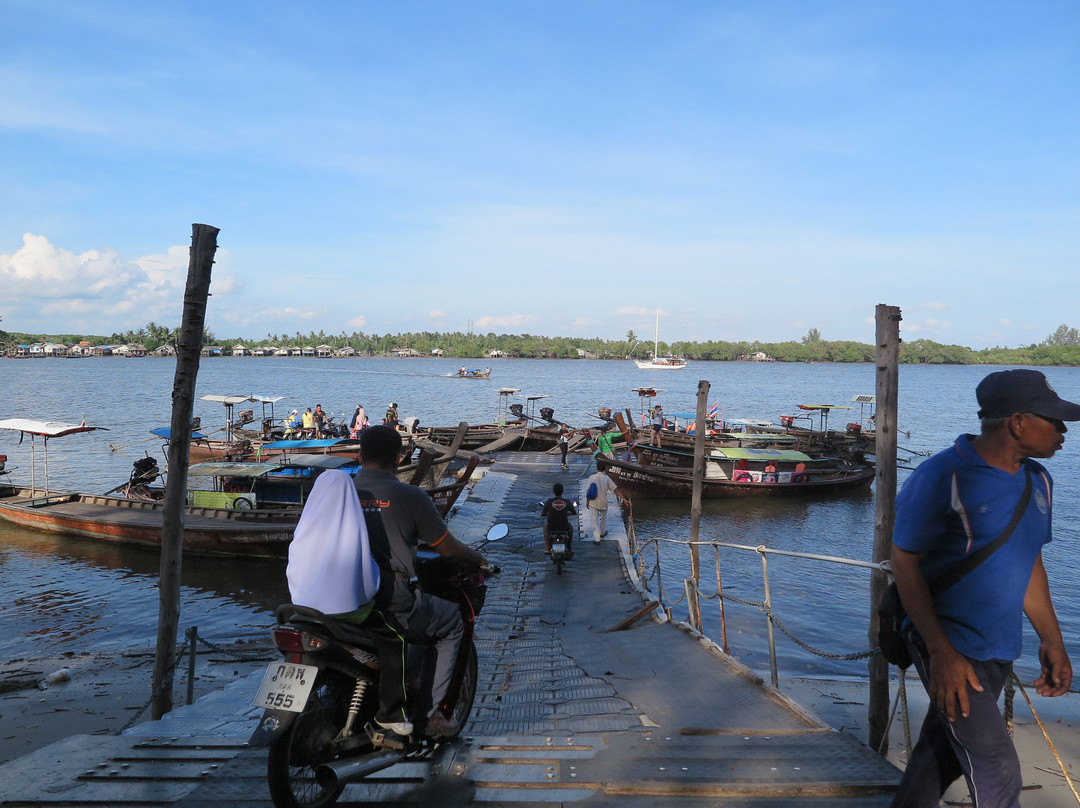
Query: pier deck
x=566, y=711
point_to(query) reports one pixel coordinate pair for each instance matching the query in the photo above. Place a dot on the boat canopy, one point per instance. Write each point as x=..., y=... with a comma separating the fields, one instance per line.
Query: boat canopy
x=788, y=455
x=230, y=401
x=318, y=461
x=824, y=407
x=315, y=443
x=226, y=469
x=166, y=433
x=48, y=429
x=748, y=422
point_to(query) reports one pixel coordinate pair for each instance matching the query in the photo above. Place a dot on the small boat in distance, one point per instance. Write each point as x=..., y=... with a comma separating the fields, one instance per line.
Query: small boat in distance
x=474, y=373
x=658, y=362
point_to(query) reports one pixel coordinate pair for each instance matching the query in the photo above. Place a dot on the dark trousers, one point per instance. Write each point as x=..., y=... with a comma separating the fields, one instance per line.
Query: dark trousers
x=390, y=644
x=977, y=748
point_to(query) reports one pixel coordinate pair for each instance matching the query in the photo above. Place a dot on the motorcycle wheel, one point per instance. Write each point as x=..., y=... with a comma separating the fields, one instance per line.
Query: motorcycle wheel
x=558, y=565
x=290, y=769
x=464, y=703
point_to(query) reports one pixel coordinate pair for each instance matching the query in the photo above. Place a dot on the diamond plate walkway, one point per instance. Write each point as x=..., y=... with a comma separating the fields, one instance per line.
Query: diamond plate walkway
x=566, y=711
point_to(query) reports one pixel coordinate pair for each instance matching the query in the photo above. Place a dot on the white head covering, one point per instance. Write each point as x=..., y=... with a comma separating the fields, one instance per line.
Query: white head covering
x=330, y=564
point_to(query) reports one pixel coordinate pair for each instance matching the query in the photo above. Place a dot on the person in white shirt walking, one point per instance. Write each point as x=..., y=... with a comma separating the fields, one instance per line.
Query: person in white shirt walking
x=600, y=484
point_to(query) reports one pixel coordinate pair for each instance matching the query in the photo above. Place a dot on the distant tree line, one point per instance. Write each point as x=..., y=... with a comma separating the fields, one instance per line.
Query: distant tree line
x=1060, y=348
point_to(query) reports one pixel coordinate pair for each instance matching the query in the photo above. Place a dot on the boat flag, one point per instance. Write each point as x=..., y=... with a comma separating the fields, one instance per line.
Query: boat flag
x=714, y=410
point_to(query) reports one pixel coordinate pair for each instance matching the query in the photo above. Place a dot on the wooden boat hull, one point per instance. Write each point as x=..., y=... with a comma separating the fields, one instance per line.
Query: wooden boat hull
x=207, y=531
x=653, y=482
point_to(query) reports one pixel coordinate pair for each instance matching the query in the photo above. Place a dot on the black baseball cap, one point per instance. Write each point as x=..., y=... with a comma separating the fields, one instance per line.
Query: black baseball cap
x=1007, y=392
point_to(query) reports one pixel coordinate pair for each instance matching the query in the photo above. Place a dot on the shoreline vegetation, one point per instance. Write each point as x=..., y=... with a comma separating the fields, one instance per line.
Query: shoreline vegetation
x=1060, y=348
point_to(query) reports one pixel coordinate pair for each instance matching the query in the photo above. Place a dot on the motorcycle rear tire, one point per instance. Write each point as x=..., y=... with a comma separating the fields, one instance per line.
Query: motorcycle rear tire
x=293, y=758
x=467, y=693
x=558, y=565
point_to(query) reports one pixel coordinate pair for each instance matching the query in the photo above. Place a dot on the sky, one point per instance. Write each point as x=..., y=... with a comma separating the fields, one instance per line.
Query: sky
x=749, y=170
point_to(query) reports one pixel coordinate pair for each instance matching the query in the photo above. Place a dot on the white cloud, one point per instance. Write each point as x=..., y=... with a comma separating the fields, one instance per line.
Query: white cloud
x=358, y=322
x=505, y=321
x=436, y=314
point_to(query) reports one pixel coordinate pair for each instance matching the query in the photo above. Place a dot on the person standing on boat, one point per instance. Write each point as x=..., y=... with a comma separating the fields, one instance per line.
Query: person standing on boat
x=564, y=444
x=409, y=517
x=657, y=425
x=308, y=422
x=391, y=419
x=598, y=505
x=964, y=639
x=318, y=419
x=605, y=442
x=358, y=421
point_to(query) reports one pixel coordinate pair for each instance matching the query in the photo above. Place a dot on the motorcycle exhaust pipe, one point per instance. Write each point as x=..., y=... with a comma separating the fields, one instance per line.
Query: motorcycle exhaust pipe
x=342, y=772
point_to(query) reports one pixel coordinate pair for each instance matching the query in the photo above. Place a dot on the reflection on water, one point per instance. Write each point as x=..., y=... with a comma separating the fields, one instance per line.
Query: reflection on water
x=71, y=594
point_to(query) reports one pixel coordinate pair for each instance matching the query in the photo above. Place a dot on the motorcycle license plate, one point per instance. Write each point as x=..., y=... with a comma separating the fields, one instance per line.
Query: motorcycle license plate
x=558, y=547
x=286, y=686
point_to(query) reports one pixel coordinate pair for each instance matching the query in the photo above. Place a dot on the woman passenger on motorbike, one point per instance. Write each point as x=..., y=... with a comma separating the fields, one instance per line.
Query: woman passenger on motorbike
x=339, y=563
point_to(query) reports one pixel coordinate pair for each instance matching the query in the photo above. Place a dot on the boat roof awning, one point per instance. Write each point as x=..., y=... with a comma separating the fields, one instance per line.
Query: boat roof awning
x=748, y=421
x=825, y=407
x=315, y=443
x=166, y=433
x=226, y=469
x=864, y=398
x=229, y=401
x=318, y=461
x=646, y=391
x=537, y=397
x=48, y=429
x=761, y=437
x=761, y=454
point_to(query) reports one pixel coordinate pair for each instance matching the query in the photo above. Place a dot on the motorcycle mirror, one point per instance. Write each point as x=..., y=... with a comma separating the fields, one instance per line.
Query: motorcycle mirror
x=499, y=531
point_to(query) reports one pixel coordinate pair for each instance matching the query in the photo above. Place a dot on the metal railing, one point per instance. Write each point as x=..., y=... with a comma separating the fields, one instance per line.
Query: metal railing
x=694, y=595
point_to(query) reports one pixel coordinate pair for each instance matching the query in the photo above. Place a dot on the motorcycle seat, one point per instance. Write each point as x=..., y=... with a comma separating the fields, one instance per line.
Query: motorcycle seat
x=303, y=616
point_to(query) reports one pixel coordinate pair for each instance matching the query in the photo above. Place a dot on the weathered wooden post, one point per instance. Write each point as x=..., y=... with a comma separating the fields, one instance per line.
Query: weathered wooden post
x=888, y=355
x=203, y=248
x=695, y=500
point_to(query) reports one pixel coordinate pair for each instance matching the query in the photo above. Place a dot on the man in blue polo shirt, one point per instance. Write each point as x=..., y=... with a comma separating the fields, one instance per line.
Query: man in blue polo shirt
x=963, y=641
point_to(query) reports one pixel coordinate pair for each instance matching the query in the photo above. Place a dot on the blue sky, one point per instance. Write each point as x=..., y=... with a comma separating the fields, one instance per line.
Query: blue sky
x=753, y=170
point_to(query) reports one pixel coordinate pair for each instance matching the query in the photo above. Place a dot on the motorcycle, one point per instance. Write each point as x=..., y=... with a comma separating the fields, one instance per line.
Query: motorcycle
x=561, y=541
x=321, y=700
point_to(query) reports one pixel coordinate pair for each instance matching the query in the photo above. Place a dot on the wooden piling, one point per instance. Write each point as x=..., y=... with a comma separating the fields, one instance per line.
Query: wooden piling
x=887, y=384
x=200, y=262
x=695, y=499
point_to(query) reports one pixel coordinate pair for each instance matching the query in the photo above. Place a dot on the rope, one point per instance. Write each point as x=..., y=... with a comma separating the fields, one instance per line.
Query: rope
x=1013, y=678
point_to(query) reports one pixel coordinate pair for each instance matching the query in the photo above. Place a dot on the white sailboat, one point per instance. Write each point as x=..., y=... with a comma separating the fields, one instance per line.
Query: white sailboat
x=658, y=362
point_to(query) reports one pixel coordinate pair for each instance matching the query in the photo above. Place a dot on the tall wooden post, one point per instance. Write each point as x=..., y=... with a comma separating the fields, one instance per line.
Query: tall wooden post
x=887, y=383
x=203, y=248
x=695, y=499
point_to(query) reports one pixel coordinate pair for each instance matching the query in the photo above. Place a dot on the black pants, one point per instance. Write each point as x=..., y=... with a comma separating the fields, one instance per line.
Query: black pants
x=390, y=643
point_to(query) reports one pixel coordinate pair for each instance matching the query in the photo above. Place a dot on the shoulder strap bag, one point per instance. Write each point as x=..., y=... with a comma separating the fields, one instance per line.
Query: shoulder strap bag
x=890, y=610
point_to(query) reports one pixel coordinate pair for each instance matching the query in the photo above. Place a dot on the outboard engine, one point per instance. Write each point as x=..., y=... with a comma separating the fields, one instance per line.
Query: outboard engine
x=605, y=413
x=547, y=413
x=145, y=470
x=516, y=409
x=196, y=422
x=3, y=463
x=246, y=417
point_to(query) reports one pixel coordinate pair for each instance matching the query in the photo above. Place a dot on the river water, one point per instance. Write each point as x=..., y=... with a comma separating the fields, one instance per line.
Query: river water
x=67, y=594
